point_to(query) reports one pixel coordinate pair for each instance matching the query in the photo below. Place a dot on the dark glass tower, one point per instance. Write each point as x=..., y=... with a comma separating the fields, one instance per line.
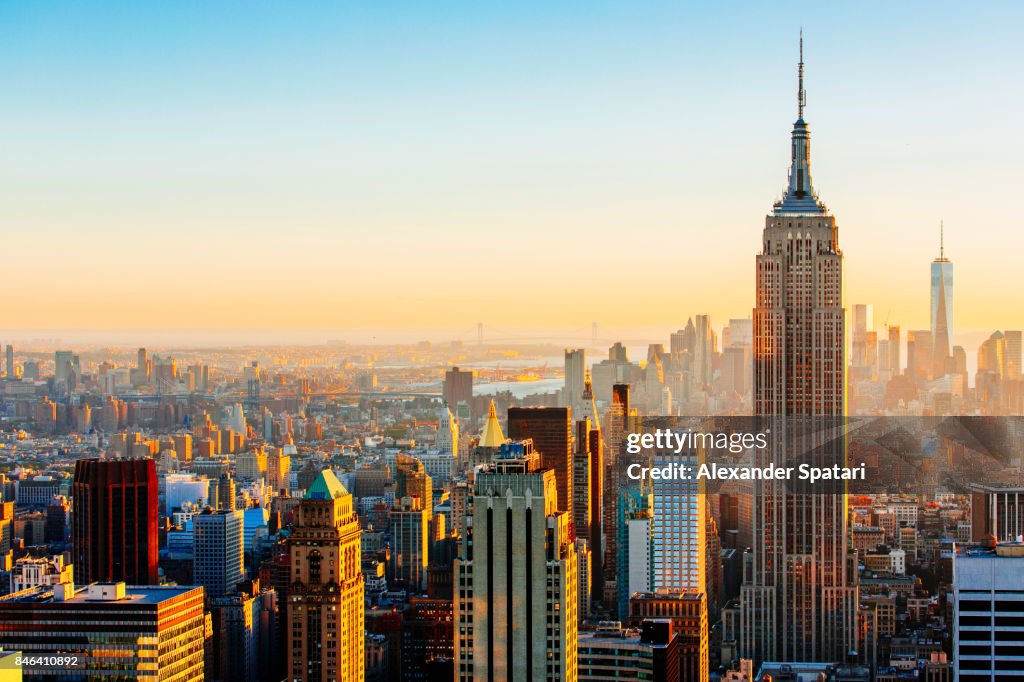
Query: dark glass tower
x=550, y=428
x=114, y=521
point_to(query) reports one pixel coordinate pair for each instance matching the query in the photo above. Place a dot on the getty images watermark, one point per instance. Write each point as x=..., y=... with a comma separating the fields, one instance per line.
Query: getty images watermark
x=667, y=442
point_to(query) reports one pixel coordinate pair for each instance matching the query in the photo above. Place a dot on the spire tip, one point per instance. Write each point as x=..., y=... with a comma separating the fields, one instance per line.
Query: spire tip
x=801, y=95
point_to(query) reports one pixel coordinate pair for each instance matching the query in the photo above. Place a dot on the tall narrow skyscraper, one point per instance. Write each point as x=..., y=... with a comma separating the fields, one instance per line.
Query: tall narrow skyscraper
x=410, y=520
x=575, y=371
x=516, y=576
x=942, y=307
x=325, y=598
x=799, y=320
x=678, y=529
x=704, y=349
x=217, y=556
x=797, y=603
x=447, y=439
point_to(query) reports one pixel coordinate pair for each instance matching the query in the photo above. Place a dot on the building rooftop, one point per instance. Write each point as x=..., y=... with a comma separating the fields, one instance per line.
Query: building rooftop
x=91, y=594
x=812, y=672
x=326, y=487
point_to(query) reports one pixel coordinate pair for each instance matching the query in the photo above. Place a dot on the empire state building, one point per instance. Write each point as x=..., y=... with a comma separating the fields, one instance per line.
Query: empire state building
x=799, y=597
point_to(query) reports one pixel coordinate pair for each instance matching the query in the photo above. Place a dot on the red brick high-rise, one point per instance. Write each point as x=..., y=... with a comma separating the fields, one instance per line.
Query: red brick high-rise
x=114, y=521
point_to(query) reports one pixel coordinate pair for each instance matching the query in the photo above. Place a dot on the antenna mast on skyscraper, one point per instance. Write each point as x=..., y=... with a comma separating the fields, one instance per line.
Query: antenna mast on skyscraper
x=942, y=240
x=801, y=96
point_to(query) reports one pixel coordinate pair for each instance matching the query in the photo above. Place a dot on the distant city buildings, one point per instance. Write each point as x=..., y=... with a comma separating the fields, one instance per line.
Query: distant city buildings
x=941, y=309
x=575, y=372
x=339, y=511
x=458, y=387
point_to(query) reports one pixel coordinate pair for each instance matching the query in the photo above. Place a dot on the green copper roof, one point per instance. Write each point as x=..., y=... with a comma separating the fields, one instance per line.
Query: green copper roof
x=326, y=487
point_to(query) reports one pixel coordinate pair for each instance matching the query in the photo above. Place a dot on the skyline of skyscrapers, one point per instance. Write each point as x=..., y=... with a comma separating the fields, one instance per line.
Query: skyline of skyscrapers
x=349, y=511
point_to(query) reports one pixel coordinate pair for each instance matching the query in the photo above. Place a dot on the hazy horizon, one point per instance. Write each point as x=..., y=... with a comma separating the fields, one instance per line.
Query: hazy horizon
x=241, y=337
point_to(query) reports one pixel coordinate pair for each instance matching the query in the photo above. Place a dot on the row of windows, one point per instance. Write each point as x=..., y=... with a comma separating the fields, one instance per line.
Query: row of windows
x=990, y=664
x=1000, y=621
x=986, y=606
x=986, y=650
x=987, y=634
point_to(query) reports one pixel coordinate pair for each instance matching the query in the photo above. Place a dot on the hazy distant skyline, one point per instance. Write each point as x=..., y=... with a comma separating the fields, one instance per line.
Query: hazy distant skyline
x=351, y=166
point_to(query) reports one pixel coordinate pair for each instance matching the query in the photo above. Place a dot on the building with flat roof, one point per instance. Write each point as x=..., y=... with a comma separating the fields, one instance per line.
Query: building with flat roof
x=217, y=556
x=988, y=617
x=997, y=509
x=688, y=613
x=131, y=632
x=612, y=652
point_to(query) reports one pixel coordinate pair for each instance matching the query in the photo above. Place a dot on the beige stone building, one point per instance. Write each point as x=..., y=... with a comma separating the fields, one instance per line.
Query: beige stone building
x=325, y=632
x=516, y=576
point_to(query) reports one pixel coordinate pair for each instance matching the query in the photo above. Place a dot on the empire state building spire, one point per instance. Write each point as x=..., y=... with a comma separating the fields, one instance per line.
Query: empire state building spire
x=799, y=598
x=800, y=198
x=801, y=94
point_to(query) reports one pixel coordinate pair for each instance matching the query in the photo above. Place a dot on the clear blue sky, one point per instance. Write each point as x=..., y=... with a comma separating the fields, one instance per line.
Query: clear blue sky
x=184, y=146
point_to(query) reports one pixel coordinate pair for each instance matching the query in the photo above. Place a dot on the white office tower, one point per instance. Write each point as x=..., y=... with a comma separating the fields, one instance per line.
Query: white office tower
x=516, y=606
x=237, y=420
x=988, y=620
x=447, y=440
x=638, y=567
x=182, y=488
x=575, y=368
x=588, y=407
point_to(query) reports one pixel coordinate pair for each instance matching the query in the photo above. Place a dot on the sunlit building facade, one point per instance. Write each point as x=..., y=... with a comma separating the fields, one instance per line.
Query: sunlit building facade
x=325, y=597
x=797, y=600
x=516, y=577
x=116, y=631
